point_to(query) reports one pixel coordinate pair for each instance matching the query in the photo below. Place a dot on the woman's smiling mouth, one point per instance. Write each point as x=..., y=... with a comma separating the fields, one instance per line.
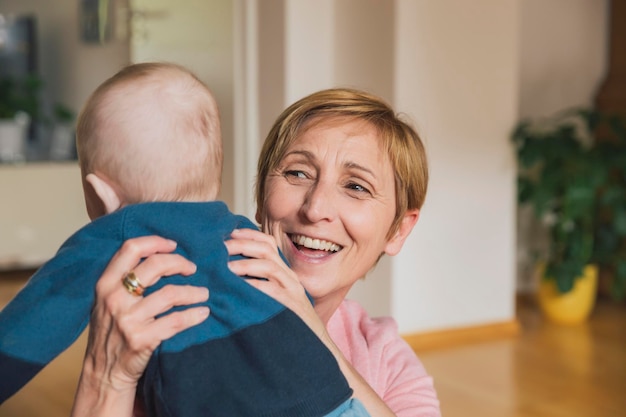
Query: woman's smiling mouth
x=316, y=244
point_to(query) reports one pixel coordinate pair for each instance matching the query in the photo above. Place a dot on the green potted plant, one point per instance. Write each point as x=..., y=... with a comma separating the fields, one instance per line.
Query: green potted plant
x=19, y=105
x=19, y=94
x=571, y=170
x=610, y=222
x=62, y=138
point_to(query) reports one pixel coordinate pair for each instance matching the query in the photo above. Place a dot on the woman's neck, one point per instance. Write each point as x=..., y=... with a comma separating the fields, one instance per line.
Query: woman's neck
x=325, y=307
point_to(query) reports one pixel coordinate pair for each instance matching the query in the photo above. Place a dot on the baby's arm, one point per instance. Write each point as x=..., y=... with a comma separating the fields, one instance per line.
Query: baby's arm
x=46, y=316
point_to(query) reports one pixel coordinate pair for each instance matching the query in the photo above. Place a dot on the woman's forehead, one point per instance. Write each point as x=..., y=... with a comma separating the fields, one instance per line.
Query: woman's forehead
x=337, y=129
x=347, y=142
x=325, y=121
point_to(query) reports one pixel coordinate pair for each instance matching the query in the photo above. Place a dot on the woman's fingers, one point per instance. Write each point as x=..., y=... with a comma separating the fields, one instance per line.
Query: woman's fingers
x=263, y=259
x=280, y=283
x=162, y=265
x=133, y=250
x=256, y=245
x=167, y=297
x=257, y=267
x=144, y=336
x=128, y=257
x=140, y=332
x=174, y=323
x=253, y=234
x=124, y=329
x=251, y=243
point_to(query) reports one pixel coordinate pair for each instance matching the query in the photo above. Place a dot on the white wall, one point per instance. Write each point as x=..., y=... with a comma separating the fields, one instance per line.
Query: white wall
x=197, y=34
x=41, y=205
x=564, y=52
x=452, y=68
x=458, y=267
x=309, y=40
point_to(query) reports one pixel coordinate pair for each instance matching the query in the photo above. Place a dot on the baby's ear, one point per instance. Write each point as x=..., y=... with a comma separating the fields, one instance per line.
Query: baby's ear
x=105, y=192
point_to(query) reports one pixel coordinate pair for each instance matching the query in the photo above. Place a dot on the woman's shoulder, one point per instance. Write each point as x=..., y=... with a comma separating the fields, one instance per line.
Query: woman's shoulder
x=355, y=330
x=379, y=353
x=352, y=314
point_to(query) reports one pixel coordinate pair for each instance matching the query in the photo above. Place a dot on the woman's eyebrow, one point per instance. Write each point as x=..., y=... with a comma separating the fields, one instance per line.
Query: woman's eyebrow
x=354, y=165
x=349, y=164
x=308, y=155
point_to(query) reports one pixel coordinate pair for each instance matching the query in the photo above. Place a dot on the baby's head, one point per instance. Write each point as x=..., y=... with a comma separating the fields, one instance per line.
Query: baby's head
x=149, y=133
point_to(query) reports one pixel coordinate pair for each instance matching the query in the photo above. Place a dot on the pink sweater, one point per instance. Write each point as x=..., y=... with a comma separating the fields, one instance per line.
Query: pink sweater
x=374, y=347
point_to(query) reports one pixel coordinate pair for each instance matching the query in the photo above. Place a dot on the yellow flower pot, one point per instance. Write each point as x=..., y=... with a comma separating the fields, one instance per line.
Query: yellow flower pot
x=573, y=307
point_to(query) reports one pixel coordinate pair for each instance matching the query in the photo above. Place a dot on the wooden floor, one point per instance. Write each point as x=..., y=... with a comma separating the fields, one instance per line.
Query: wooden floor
x=546, y=371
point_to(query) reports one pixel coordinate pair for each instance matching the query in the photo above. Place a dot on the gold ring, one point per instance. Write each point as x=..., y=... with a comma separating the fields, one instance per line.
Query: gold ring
x=132, y=284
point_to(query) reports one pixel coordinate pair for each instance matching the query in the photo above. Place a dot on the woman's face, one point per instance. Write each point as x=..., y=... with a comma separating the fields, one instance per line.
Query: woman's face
x=330, y=205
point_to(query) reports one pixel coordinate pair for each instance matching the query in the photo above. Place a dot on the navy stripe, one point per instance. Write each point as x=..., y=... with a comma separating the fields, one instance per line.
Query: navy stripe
x=276, y=369
x=15, y=374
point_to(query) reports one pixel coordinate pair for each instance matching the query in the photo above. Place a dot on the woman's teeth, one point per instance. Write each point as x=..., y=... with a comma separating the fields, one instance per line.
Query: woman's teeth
x=316, y=244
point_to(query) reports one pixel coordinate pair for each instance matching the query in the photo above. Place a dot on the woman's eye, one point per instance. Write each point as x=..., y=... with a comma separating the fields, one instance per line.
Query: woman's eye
x=358, y=187
x=295, y=173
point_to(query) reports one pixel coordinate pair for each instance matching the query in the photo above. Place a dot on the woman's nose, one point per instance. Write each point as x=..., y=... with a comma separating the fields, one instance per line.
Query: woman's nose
x=318, y=204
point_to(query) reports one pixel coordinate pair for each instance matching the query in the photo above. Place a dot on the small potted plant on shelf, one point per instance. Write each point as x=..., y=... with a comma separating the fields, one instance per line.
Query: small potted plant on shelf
x=19, y=105
x=62, y=138
x=571, y=169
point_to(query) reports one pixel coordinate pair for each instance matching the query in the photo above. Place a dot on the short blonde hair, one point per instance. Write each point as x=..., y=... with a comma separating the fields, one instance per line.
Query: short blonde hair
x=398, y=138
x=153, y=129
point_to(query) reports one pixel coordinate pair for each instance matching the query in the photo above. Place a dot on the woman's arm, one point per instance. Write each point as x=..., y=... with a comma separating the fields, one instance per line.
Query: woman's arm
x=283, y=285
x=123, y=330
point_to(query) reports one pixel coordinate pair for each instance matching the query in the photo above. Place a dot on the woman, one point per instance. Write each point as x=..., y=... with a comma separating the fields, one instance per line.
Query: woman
x=341, y=181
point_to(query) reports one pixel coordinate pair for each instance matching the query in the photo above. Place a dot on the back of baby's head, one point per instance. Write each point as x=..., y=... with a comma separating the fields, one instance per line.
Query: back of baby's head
x=153, y=131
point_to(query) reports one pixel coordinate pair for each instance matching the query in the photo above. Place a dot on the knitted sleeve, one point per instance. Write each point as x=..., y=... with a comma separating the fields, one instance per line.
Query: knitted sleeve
x=52, y=310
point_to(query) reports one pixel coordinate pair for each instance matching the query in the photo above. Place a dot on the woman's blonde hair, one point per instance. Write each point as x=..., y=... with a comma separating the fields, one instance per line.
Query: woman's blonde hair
x=398, y=138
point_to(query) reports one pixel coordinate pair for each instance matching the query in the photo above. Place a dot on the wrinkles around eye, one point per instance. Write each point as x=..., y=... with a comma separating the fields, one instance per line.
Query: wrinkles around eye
x=358, y=188
x=297, y=177
x=295, y=173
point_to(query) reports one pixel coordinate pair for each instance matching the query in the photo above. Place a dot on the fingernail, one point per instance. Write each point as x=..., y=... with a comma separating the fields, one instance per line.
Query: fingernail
x=203, y=313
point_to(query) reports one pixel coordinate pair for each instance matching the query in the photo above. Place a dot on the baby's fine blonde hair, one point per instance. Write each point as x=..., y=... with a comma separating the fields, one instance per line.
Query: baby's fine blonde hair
x=153, y=130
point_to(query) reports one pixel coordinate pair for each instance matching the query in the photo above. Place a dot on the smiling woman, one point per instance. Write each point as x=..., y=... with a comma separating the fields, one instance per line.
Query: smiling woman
x=341, y=180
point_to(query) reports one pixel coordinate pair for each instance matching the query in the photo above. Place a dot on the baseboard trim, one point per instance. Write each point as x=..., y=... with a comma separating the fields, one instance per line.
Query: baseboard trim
x=462, y=336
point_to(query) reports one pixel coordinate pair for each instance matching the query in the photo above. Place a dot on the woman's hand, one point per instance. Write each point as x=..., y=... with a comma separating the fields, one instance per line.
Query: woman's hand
x=283, y=285
x=280, y=283
x=123, y=329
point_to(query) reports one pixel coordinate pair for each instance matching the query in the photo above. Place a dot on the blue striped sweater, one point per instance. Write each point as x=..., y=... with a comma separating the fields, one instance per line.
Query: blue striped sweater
x=251, y=357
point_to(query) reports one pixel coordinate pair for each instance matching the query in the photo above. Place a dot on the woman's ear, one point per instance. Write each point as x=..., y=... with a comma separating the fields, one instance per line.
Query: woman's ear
x=395, y=243
x=105, y=193
x=257, y=216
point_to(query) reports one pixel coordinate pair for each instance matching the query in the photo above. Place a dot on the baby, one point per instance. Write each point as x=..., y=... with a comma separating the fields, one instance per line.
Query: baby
x=150, y=152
